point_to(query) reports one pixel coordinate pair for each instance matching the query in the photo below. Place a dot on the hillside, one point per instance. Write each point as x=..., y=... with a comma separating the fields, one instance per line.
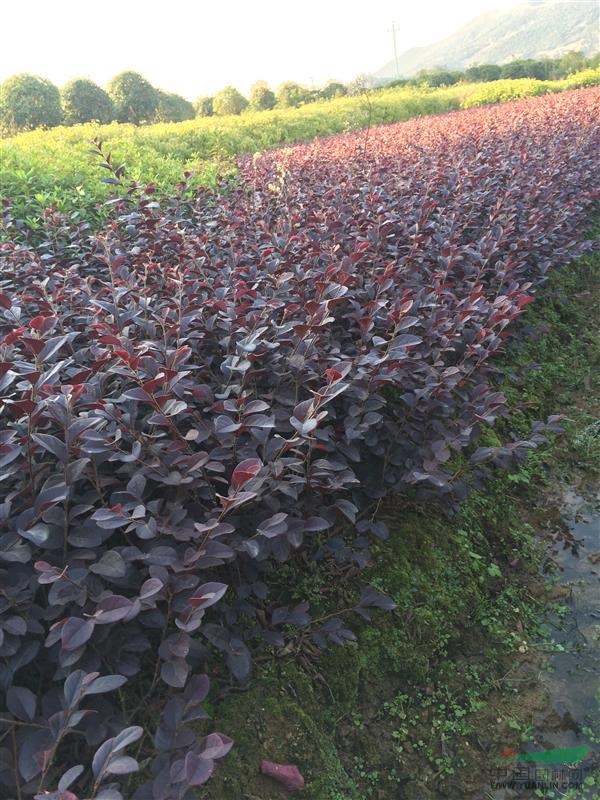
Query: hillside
x=529, y=30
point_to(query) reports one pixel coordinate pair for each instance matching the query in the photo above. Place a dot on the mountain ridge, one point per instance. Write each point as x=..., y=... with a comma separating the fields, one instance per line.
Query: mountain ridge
x=527, y=30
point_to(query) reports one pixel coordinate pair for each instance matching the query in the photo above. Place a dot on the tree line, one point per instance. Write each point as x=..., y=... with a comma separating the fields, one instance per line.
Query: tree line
x=27, y=101
x=545, y=69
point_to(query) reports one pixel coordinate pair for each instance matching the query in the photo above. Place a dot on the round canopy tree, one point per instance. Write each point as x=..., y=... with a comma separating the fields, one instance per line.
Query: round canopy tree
x=291, y=95
x=333, y=89
x=134, y=97
x=27, y=101
x=204, y=107
x=229, y=101
x=261, y=97
x=83, y=100
x=173, y=108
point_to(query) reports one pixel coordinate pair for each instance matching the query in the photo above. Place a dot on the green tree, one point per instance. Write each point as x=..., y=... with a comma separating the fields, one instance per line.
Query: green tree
x=204, y=107
x=261, y=97
x=571, y=62
x=291, y=95
x=524, y=68
x=483, y=72
x=593, y=61
x=438, y=77
x=333, y=89
x=229, y=101
x=173, y=108
x=83, y=100
x=134, y=97
x=27, y=101
x=549, y=68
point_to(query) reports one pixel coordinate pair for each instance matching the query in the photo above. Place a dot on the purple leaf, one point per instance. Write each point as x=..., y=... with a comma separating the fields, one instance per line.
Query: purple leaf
x=215, y=745
x=244, y=472
x=123, y=765
x=111, y=609
x=76, y=632
x=175, y=672
x=107, y=683
x=69, y=777
x=197, y=770
x=371, y=597
x=21, y=702
x=111, y=565
x=207, y=595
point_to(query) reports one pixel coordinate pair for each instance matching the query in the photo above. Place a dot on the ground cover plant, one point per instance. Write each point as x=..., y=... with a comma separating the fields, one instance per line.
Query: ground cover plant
x=42, y=168
x=203, y=390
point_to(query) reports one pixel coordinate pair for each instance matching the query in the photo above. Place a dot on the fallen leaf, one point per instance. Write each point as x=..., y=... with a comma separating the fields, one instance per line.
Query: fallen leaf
x=287, y=774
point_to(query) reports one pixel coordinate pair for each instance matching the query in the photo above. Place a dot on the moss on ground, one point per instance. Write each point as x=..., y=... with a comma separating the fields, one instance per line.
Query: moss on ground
x=417, y=707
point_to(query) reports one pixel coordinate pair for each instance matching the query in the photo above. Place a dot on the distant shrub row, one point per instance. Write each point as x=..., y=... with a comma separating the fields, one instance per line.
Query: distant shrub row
x=28, y=102
x=502, y=91
x=545, y=69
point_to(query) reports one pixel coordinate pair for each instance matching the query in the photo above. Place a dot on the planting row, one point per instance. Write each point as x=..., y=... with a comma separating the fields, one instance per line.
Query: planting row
x=42, y=168
x=207, y=388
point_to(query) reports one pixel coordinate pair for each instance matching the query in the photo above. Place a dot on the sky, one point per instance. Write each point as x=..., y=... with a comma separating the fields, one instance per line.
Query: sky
x=195, y=47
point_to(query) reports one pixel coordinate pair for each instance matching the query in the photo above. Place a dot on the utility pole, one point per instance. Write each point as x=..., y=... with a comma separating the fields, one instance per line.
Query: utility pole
x=393, y=30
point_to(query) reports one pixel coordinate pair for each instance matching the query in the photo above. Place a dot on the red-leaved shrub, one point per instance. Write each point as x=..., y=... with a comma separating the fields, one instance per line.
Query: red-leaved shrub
x=198, y=390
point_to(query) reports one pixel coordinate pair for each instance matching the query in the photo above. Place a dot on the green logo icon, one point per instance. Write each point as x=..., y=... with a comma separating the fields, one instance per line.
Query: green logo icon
x=563, y=755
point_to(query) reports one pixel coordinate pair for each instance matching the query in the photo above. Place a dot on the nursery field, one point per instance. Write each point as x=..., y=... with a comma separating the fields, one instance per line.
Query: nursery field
x=41, y=168
x=209, y=390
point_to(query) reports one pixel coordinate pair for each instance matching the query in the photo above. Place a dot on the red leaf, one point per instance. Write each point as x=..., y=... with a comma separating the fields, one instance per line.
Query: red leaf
x=245, y=471
x=12, y=337
x=207, y=595
x=34, y=346
x=21, y=407
x=36, y=323
x=525, y=300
